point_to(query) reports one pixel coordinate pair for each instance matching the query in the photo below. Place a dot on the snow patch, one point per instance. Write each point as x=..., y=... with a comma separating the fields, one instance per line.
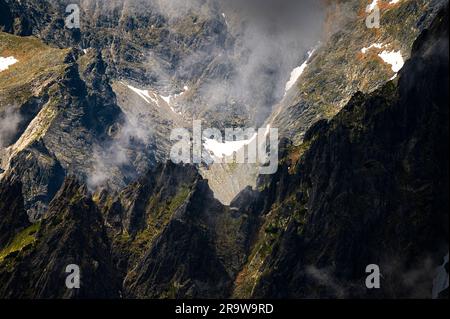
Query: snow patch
x=144, y=94
x=394, y=58
x=225, y=18
x=228, y=148
x=297, y=72
x=168, y=99
x=152, y=97
x=5, y=63
x=374, y=3
x=375, y=45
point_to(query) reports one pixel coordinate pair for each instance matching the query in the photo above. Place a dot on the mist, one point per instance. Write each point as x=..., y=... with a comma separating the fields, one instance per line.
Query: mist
x=241, y=70
x=9, y=124
x=117, y=157
x=249, y=52
x=270, y=38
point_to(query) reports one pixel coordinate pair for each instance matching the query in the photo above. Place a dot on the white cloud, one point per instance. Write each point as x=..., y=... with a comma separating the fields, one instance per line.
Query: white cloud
x=9, y=123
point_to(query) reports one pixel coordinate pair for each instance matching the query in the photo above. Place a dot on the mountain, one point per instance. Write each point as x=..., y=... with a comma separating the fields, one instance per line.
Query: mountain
x=85, y=174
x=163, y=64
x=364, y=192
x=353, y=59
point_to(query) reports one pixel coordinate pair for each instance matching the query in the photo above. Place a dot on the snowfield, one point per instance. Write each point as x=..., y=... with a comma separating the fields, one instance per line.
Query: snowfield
x=228, y=148
x=144, y=94
x=297, y=72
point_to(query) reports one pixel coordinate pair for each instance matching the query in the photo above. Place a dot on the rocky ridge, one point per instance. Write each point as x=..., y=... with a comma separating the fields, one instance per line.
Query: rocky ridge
x=377, y=170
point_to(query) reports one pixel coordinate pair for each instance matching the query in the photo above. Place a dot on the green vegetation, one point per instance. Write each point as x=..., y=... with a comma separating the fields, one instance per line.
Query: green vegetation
x=179, y=199
x=38, y=65
x=159, y=217
x=23, y=239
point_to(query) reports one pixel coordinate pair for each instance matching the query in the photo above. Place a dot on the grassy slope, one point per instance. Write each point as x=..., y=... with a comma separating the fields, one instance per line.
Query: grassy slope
x=38, y=64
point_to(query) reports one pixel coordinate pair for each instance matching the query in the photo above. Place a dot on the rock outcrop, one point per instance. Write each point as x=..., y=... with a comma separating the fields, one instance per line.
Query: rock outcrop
x=365, y=183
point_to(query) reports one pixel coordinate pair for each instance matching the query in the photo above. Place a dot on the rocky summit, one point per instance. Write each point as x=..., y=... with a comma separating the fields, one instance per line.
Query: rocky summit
x=94, y=94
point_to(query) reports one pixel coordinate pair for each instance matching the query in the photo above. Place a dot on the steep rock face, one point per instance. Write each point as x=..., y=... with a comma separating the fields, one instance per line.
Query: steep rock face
x=172, y=238
x=25, y=85
x=22, y=17
x=368, y=187
x=371, y=188
x=183, y=261
x=72, y=232
x=41, y=176
x=12, y=214
x=164, y=236
x=198, y=254
x=24, y=96
x=162, y=53
x=152, y=45
x=64, y=111
x=349, y=61
x=138, y=39
x=133, y=43
x=137, y=200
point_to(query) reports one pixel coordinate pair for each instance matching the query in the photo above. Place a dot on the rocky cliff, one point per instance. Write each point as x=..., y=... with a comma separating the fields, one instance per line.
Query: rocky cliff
x=363, y=174
x=364, y=192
